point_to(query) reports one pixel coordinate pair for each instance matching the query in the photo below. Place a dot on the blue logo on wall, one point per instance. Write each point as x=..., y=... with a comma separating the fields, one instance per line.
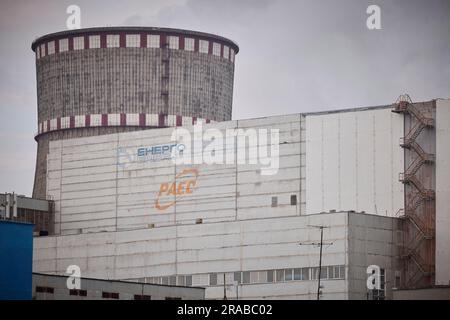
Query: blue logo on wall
x=152, y=153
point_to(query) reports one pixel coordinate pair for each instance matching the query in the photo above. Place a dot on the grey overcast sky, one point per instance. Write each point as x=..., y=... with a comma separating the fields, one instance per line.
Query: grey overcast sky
x=295, y=56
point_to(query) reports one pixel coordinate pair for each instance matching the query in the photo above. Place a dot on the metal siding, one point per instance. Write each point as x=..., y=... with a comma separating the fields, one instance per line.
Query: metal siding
x=16, y=256
x=442, y=192
x=352, y=162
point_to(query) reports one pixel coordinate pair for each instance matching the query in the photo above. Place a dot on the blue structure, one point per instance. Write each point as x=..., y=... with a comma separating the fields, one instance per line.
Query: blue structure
x=16, y=260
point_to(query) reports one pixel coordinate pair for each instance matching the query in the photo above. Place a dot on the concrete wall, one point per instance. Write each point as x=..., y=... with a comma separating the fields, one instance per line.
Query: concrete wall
x=255, y=245
x=105, y=204
x=370, y=242
x=95, y=287
x=201, y=249
x=93, y=193
x=422, y=294
x=353, y=160
x=442, y=192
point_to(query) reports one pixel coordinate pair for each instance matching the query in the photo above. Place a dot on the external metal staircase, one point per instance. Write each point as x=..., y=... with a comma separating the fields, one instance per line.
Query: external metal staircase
x=419, y=212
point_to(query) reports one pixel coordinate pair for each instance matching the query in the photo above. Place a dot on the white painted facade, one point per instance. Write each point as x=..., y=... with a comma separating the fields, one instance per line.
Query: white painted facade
x=335, y=161
x=353, y=160
x=235, y=220
x=256, y=246
x=442, y=192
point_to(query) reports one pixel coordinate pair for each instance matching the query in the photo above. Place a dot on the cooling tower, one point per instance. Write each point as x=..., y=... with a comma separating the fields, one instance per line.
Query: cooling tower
x=106, y=80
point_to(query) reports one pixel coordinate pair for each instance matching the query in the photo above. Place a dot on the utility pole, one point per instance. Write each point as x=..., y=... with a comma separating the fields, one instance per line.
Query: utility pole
x=320, y=244
x=320, y=262
x=224, y=288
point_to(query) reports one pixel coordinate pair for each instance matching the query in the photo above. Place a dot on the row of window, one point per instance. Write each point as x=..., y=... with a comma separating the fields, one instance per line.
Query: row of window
x=134, y=41
x=249, y=277
x=293, y=200
x=105, y=294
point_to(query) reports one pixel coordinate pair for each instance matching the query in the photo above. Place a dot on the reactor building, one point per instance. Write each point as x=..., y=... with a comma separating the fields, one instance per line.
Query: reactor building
x=107, y=80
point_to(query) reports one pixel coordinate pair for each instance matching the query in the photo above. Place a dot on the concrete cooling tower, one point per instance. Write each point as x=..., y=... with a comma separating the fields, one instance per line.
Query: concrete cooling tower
x=106, y=80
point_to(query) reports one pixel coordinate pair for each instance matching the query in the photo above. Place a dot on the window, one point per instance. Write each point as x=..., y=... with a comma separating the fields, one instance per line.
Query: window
x=227, y=277
x=274, y=201
x=315, y=273
x=270, y=276
x=63, y=45
x=336, y=272
x=110, y=295
x=324, y=273
x=246, y=277
x=181, y=281
x=94, y=42
x=280, y=275
x=173, y=42
x=153, y=41
x=216, y=49
x=397, y=280
x=165, y=280
x=45, y=289
x=43, y=50
x=298, y=274
x=342, y=272
x=38, y=52
x=112, y=41
x=213, y=279
x=293, y=200
x=173, y=280
x=204, y=46
x=142, y=297
x=305, y=273
x=51, y=47
x=262, y=276
x=237, y=277
x=78, y=43
x=226, y=52
x=188, y=281
x=288, y=274
x=258, y=276
x=133, y=40
x=333, y=272
x=189, y=44
x=76, y=292
x=232, y=55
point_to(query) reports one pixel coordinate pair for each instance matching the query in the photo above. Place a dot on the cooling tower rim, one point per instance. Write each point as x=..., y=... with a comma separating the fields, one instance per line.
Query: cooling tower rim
x=155, y=30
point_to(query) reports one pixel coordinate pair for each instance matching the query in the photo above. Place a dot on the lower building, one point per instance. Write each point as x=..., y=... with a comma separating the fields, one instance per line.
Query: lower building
x=273, y=258
x=54, y=287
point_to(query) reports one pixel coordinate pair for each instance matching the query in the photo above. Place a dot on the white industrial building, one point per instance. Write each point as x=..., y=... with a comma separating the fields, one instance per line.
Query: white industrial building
x=116, y=217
